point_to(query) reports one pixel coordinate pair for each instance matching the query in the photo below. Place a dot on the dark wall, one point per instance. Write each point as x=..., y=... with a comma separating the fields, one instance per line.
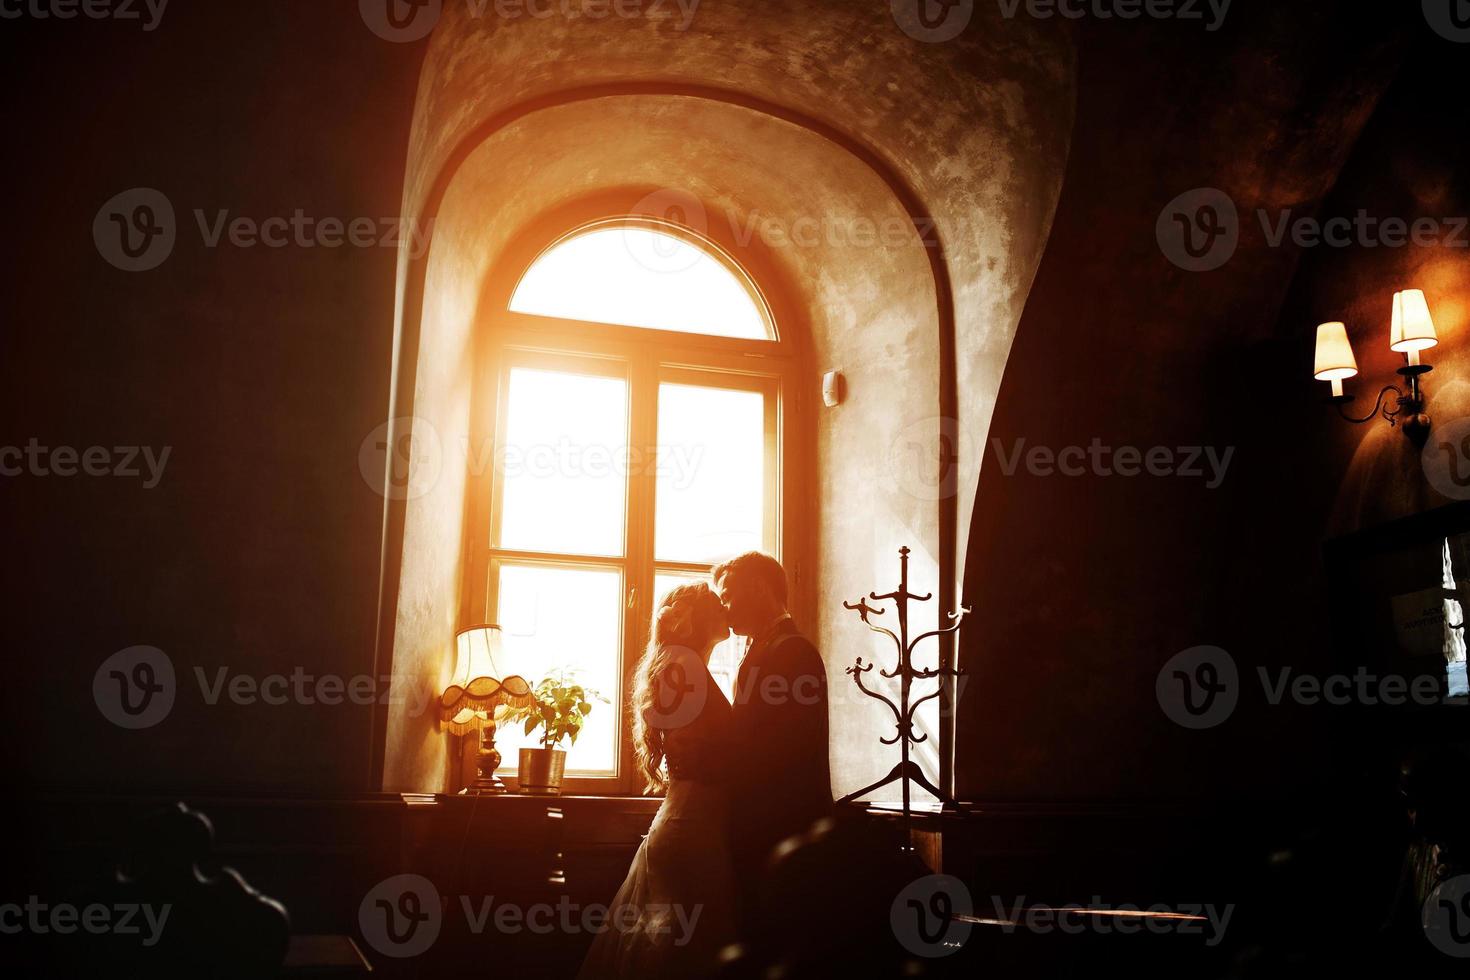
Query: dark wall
x=260, y=369
x=1087, y=586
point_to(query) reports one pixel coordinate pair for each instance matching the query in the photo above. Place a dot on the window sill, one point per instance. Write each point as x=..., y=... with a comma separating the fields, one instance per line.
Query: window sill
x=577, y=799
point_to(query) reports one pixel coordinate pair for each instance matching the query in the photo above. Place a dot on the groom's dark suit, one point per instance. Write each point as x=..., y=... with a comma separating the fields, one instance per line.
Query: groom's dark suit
x=780, y=778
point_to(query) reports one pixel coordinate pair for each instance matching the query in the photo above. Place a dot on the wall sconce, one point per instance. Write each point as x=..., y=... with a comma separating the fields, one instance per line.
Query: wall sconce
x=1411, y=331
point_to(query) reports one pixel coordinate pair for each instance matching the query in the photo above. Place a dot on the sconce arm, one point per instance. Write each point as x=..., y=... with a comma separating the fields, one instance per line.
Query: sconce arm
x=1391, y=414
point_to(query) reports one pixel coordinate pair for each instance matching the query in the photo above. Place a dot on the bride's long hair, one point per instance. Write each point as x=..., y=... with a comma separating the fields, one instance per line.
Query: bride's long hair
x=684, y=620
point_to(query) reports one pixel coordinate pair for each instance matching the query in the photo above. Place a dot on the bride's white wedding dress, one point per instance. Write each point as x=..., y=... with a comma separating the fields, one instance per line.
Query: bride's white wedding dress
x=681, y=882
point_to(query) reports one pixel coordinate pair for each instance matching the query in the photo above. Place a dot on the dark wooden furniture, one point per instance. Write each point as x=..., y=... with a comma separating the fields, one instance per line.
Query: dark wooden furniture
x=1272, y=861
x=324, y=956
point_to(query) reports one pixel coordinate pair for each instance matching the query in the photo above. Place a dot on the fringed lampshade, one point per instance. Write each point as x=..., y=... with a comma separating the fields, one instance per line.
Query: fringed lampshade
x=468, y=704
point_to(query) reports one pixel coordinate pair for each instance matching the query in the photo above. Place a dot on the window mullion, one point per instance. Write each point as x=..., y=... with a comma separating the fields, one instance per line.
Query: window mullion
x=642, y=440
x=488, y=585
x=773, y=456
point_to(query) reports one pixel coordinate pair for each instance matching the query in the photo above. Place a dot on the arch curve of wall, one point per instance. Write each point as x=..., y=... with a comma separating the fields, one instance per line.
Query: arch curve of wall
x=418, y=574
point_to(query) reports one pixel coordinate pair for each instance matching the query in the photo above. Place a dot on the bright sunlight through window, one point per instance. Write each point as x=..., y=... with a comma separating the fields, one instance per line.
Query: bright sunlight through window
x=639, y=276
x=628, y=463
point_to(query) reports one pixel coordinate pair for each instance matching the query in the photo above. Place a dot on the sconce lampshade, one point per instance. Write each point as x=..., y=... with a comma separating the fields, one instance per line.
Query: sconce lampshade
x=1413, y=327
x=477, y=688
x=1335, y=359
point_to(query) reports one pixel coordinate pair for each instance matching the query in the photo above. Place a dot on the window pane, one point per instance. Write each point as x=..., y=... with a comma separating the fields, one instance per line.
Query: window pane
x=565, y=478
x=711, y=473
x=724, y=660
x=639, y=277
x=559, y=617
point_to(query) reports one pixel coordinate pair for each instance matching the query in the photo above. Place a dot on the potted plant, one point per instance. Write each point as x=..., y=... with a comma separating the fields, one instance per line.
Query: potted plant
x=560, y=709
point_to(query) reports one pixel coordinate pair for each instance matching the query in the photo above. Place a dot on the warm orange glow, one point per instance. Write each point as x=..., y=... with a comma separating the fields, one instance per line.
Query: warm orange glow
x=586, y=516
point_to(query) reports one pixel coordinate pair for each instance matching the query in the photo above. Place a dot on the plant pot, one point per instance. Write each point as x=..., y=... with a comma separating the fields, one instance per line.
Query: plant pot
x=541, y=771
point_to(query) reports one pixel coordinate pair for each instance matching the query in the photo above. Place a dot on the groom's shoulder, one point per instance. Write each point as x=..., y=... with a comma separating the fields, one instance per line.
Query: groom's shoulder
x=796, y=653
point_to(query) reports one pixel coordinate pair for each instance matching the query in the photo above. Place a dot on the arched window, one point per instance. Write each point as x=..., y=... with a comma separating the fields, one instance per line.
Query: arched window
x=642, y=396
x=643, y=274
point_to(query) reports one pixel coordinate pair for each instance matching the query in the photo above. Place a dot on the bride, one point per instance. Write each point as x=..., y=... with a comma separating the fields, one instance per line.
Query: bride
x=675, y=911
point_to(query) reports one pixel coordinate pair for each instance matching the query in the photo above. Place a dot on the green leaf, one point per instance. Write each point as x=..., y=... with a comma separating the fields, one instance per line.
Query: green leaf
x=584, y=707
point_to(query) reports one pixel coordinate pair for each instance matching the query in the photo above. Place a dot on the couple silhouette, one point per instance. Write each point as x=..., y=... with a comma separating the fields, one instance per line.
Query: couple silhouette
x=744, y=779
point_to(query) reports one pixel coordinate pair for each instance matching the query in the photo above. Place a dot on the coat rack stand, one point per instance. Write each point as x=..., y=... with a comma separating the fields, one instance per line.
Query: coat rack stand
x=907, y=770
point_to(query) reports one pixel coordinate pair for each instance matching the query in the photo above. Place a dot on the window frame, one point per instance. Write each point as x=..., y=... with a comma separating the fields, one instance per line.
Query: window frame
x=646, y=357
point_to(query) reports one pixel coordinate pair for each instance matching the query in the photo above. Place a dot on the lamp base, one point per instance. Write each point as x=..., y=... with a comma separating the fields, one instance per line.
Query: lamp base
x=487, y=760
x=494, y=788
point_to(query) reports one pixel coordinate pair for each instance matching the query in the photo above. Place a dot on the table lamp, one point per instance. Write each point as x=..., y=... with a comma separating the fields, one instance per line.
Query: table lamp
x=476, y=690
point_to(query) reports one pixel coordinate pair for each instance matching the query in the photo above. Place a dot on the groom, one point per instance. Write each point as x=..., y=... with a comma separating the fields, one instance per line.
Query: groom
x=780, y=780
